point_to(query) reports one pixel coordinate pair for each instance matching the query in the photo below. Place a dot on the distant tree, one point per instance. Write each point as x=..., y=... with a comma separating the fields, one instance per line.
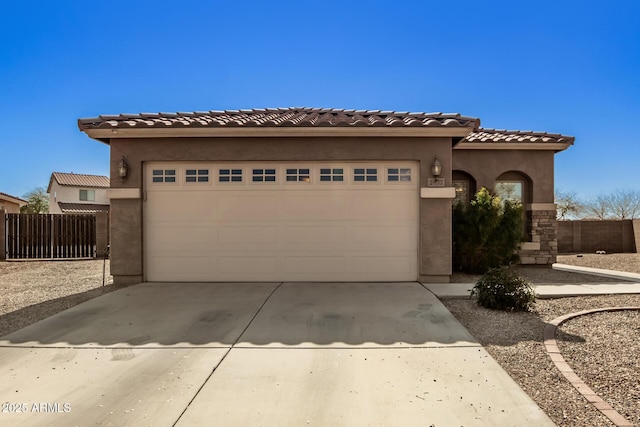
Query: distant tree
x=624, y=204
x=38, y=201
x=598, y=207
x=568, y=205
x=619, y=204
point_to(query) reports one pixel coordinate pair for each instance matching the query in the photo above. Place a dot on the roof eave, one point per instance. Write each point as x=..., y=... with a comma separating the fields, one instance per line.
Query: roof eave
x=552, y=146
x=12, y=199
x=105, y=135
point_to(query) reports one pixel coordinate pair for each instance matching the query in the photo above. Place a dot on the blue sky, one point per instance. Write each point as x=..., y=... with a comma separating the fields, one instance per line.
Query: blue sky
x=571, y=67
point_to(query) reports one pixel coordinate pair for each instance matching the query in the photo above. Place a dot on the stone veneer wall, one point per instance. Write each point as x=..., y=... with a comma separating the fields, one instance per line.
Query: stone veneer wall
x=543, y=232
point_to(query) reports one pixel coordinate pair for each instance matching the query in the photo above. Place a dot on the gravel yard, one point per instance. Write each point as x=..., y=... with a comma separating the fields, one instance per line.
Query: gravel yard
x=34, y=290
x=602, y=349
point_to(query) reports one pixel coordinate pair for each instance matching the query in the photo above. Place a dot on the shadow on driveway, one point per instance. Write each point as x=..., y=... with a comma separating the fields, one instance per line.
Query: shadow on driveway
x=253, y=314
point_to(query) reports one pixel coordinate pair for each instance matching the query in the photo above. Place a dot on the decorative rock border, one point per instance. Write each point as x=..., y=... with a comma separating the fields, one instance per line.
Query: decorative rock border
x=551, y=345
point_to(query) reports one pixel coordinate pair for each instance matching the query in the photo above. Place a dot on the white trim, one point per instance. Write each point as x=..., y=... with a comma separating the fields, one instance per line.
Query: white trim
x=555, y=146
x=438, y=193
x=277, y=131
x=123, y=193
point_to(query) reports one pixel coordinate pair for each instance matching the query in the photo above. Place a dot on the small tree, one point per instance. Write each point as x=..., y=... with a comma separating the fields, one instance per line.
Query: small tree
x=38, y=201
x=568, y=205
x=486, y=233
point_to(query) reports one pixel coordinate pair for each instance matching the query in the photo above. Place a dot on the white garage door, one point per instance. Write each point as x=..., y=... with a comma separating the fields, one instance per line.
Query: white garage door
x=281, y=221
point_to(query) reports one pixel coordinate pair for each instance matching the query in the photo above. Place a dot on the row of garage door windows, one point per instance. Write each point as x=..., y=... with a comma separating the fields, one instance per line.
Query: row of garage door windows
x=224, y=175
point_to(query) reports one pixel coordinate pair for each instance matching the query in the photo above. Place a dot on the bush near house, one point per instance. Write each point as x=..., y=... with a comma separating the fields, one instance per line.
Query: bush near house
x=502, y=289
x=486, y=232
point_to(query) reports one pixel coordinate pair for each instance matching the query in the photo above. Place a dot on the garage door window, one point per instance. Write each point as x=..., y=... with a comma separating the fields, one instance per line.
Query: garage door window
x=164, y=175
x=264, y=175
x=399, y=174
x=230, y=175
x=365, y=175
x=197, y=175
x=298, y=175
x=331, y=175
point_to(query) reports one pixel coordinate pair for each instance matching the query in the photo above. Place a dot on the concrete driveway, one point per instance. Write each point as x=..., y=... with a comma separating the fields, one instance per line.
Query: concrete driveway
x=269, y=354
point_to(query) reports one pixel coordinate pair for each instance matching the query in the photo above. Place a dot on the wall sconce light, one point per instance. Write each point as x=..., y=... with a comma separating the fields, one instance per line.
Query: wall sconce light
x=436, y=170
x=123, y=169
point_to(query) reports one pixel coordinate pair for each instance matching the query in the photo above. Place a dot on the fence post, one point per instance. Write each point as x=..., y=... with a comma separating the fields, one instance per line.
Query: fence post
x=3, y=235
x=102, y=233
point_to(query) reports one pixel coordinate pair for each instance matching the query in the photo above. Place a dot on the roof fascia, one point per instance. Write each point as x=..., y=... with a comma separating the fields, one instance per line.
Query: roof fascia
x=105, y=135
x=512, y=146
x=11, y=199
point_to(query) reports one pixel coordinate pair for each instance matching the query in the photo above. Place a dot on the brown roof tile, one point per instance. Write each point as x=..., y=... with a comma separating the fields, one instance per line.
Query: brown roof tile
x=82, y=208
x=278, y=117
x=81, y=180
x=517, y=136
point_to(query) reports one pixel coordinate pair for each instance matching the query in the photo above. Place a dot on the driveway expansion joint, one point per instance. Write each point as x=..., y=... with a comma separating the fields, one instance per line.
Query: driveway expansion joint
x=552, y=349
x=229, y=348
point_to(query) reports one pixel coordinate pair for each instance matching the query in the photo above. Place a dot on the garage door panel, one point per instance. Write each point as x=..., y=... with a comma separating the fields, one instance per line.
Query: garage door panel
x=180, y=268
x=315, y=264
x=247, y=235
x=383, y=206
x=314, y=206
x=244, y=264
x=389, y=237
x=181, y=239
x=383, y=264
x=247, y=206
x=302, y=231
x=182, y=206
x=315, y=234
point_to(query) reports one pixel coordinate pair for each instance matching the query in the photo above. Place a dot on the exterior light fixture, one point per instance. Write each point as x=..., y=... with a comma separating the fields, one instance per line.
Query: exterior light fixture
x=123, y=169
x=436, y=170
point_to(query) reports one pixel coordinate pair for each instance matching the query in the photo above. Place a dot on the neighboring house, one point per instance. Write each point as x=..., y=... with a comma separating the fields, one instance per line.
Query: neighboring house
x=302, y=194
x=72, y=193
x=11, y=204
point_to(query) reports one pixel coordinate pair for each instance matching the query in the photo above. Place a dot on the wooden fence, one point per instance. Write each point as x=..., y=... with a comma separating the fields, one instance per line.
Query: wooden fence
x=49, y=236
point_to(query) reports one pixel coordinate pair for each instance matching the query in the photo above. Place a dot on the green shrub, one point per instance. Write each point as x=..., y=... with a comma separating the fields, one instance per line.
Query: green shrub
x=502, y=289
x=486, y=233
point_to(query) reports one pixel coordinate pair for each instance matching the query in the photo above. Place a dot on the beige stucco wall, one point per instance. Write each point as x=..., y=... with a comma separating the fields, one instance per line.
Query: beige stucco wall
x=9, y=207
x=68, y=194
x=435, y=214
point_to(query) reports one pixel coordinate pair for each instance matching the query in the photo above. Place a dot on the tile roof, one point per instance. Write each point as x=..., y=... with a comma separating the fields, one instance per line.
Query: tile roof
x=517, y=136
x=279, y=117
x=80, y=180
x=19, y=199
x=82, y=208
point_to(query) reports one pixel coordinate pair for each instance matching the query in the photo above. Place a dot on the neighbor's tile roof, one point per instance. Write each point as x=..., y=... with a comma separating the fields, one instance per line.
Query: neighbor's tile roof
x=82, y=208
x=13, y=197
x=516, y=136
x=81, y=180
x=278, y=117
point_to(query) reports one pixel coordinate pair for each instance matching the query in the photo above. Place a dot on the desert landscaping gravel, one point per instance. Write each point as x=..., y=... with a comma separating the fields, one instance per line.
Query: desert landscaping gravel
x=34, y=290
x=602, y=349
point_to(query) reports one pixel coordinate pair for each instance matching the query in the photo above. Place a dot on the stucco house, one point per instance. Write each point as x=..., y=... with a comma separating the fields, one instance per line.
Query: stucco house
x=11, y=204
x=74, y=193
x=305, y=194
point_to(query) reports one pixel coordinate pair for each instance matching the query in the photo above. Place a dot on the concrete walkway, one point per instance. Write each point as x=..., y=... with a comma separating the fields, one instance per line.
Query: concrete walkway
x=339, y=354
x=556, y=290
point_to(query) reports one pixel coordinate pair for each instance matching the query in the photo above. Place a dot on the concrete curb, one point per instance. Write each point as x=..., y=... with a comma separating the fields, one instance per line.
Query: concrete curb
x=551, y=346
x=622, y=275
